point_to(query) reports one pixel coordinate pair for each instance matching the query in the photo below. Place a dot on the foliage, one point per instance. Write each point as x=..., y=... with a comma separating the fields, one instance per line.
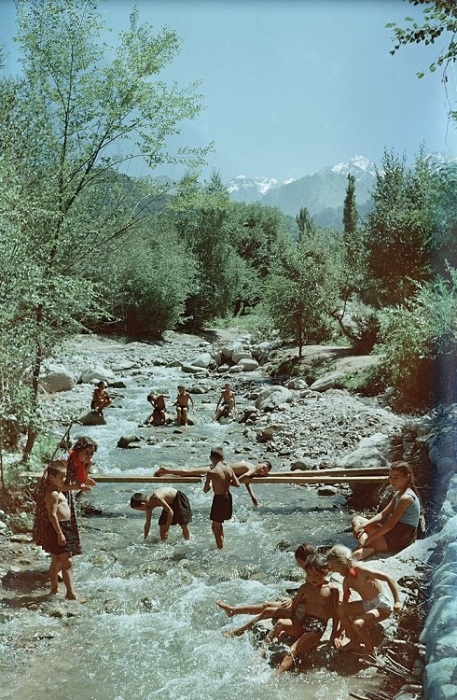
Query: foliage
x=420, y=344
x=398, y=234
x=440, y=16
x=66, y=124
x=301, y=291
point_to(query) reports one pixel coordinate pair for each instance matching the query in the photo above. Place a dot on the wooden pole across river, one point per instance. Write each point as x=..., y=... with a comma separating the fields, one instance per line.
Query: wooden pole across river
x=322, y=476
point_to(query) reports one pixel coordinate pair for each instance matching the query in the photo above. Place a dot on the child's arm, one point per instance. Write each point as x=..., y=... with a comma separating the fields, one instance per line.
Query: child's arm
x=251, y=493
x=207, y=484
x=53, y=519
x=234, y=479
x=298, y=597
x=335, y=621
x=201, y=471
x=191, y=400
x=147, y=524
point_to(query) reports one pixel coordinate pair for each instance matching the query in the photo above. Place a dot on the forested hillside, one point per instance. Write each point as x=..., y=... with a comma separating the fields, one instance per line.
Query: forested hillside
x=83, y=246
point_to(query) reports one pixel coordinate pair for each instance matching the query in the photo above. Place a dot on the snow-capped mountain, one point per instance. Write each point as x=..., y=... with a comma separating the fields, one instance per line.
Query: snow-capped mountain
x=247, y=189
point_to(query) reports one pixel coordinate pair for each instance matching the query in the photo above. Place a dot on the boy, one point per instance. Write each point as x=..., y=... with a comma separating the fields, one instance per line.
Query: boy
x=100, y=398
x=59, y=537
x=315, y=602
x=243, y=470
x=375, y=605
x=228, y=401
x=175, y=510
x=220, y=477
x=158, y=416
x=182, y=405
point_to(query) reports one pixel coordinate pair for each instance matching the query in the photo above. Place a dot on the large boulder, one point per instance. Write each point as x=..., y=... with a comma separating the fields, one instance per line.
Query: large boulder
x=91, y=418
x=272, y=396
x=204, y=360
x=371, y=452
x=329, y=381
x=248, y=364
x=57, y=378
x=96, y=374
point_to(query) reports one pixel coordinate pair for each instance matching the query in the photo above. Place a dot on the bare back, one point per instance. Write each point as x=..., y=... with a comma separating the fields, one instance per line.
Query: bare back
x=220, y=478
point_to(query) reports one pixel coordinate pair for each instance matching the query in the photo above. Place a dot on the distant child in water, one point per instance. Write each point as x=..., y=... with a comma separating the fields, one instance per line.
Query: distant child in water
x=182, y=405
x=100, y=398
x=159, y=415
x=375, y=606
x=314, y=604
x=227, y=403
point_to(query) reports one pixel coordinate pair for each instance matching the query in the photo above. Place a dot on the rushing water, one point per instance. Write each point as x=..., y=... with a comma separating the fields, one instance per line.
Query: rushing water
x=150, y=627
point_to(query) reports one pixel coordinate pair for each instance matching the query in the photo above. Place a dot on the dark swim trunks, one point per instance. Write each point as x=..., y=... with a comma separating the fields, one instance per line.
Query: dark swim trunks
x=222, y=508
x=400, y=537
x=51, y=545
x=182, y=513
x=311, y=623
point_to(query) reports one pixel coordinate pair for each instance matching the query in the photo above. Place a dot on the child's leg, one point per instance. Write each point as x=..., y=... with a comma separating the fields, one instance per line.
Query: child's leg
x=267, y=613
x=218, y=532
x=360, y=624
x=66, y=575
x=183, y=415
x=283, y=627
x=54, y=572
x=185, y=532
x=346, y=613
x=231, y=610
x=303, y=645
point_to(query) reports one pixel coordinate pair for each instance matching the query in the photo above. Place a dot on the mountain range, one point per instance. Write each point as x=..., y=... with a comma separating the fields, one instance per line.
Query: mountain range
x=322, y=193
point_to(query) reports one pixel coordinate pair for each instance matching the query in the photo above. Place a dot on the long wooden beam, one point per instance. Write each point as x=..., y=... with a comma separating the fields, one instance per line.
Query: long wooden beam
x=279, y=478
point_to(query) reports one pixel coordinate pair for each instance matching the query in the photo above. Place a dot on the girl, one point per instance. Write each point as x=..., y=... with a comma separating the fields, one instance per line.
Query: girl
x=395, y=527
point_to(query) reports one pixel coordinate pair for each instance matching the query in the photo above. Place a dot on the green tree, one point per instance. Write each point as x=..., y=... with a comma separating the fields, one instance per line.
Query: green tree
x=305, y=224
x=398, y=234
x=67, y=123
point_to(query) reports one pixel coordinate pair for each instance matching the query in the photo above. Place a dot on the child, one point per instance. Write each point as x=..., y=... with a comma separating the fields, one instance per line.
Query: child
x=375, y=605
x=175, y=510
x=228, y=401
x=315, y=602
x=158, y=416
x=268, y=610
x=182, y=405
x=100, y=398
x=59, y=538
x=395, y=527
x=243, y=470
x=220, y=477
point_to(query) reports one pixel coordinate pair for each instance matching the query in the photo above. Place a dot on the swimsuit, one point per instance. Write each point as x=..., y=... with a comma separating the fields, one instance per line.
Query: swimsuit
x=51, y=544
x=182, y=513
x=221, y=508
x=381, y=602
x=311, y=623
x=400, y=537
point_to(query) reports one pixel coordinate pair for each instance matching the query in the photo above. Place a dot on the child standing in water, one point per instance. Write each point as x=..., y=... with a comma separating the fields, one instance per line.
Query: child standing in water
x=375, y=605
x=220, y=477
x=175, y=510
x=59, y=537
x=228, y=401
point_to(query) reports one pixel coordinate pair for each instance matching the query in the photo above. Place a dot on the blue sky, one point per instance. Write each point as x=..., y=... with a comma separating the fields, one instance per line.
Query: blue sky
x=291, y=86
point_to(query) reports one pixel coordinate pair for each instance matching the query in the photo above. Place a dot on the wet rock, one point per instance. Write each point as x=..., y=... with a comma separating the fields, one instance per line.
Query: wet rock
x=204, y=360
x=296, y=384
x=248, y=364
x=128, y=441
x=91, y=418
x=272, y=396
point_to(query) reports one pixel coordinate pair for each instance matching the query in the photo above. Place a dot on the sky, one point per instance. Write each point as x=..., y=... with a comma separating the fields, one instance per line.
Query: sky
x=292, y=86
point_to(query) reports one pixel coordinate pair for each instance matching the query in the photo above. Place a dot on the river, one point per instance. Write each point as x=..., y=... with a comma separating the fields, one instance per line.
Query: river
x=150, y=626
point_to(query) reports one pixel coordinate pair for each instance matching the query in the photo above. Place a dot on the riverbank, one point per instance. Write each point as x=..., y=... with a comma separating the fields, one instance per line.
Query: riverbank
x=294, y=427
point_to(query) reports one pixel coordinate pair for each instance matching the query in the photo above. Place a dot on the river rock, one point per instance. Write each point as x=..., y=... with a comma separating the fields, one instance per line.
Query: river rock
x=96, y=374
x=370, y=453
x=204, y=360
x=91, y=418
x=128, y=441
x=57, y=378
x=297, y=383
x=248, y=364
x=268, y=433
x=242, y=354
x=271, y=397
x=235, y=369
x=328, y=381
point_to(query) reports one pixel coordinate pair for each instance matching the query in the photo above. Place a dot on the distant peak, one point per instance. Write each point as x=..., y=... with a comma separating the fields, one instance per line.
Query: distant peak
x=355, y=164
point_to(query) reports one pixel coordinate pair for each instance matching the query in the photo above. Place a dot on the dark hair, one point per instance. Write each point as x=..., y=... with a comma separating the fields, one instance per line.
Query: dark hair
x=317, y=562
x=82, y=442
x=57, y=467
x=405, y=469
x=268, y=463
x=305, y=551
x=137, y=500
x=217, y=453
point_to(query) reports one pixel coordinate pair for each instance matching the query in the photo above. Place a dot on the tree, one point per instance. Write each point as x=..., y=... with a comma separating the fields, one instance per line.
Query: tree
x=305, y=224
x=398, y=234
x=440, y=16
x=67, y=124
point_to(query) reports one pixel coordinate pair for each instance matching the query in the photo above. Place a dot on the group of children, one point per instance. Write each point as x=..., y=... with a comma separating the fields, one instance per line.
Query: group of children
x=301, y=620
x=225, y=407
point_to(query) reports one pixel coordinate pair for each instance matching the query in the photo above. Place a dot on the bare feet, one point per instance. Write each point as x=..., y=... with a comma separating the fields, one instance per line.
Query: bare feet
x=54, y=591
x=227, y=609
x=229, y=633
x=76, y=598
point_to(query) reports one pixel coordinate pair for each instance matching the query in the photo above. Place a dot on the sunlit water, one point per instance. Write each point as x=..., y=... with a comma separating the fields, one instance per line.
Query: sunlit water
x=150, y=627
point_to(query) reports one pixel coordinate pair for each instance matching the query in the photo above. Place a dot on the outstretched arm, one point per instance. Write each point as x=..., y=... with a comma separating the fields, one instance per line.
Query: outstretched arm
x=199, y=471
x=251, y=493
x=147, y=524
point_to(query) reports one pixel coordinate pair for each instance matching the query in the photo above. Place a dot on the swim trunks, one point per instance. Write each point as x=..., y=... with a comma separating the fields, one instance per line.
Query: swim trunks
x=400, y=537
x=311, y=623
x=182, y=513
x=222, y=508
x=381, y=602
x=51, y=545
